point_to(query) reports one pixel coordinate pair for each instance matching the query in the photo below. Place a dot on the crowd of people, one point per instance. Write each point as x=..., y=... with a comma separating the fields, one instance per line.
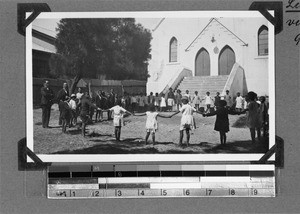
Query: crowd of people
x=86, y=105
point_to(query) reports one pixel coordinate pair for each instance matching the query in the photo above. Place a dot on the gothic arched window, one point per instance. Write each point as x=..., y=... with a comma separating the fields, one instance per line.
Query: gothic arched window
x=173, y=50
x=263, y=41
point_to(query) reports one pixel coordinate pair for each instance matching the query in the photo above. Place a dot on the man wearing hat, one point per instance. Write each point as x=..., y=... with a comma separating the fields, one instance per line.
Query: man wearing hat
x=46, y=103
x=73, y=108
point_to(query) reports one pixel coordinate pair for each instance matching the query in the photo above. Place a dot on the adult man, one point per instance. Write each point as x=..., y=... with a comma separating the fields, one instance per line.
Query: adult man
x=46, y=103
x=61, y=94
x=85, y=106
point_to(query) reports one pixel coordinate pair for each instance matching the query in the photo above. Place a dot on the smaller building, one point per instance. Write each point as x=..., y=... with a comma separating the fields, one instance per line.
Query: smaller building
x=43, y=46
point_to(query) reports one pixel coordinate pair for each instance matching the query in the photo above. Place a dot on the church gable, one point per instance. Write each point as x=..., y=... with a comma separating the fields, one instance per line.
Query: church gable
x=215, y=30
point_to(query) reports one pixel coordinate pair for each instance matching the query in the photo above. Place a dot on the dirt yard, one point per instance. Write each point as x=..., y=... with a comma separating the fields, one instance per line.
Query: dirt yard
x=100, y=137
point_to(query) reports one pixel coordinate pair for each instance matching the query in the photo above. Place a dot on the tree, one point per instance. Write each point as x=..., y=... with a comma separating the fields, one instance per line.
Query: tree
x=117, y=48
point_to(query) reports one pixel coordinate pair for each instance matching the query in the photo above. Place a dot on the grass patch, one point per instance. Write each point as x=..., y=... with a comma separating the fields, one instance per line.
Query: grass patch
x=240, y=122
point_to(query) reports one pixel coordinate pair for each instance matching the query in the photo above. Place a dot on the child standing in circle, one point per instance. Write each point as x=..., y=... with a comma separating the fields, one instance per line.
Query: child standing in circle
x=187, y=122
x=156, y=101
x=222, y=121
x=217, y=100
x=208, y=101
x=163, y=103
x=178, y=98
x=118, y=118
x=253, y=116
x=239, y=102
x=151, y=122
x=187, y=94
x=264, y=115
x=227, y=98
x=133, y=102
x=196, y=101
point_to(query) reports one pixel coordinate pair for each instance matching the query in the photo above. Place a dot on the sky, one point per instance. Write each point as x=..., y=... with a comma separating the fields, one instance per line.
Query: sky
x=48, y=25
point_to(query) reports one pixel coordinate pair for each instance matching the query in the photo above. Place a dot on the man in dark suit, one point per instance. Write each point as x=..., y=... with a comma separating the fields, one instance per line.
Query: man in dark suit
x=61, y=94
x=46, y=103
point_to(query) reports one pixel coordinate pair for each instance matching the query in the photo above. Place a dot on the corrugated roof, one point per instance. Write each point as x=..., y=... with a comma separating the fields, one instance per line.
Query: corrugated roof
x=40, y=45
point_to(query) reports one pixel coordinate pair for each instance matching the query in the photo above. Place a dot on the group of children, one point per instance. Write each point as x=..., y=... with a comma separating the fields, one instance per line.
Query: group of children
x=257, y=112
x=256, y=118
x=210, y=103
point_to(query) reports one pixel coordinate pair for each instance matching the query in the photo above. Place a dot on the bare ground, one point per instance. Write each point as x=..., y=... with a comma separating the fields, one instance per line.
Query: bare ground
x=100, y=137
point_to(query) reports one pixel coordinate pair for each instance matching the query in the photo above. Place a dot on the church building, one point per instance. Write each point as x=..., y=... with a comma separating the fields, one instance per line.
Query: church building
x=210, y=54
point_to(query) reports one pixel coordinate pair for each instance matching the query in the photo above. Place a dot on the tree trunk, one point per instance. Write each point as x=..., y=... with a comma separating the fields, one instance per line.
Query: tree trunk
x=74, y=83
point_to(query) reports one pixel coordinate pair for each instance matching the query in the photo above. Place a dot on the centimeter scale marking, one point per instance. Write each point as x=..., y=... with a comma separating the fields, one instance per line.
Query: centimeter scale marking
x=248, y=181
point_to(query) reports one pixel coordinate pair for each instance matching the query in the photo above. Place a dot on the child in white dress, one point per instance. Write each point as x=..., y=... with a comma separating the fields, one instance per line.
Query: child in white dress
x=196, y=100
x=163, y=104
x=151, y=122
x=187, y=120
x=208, y=102
x=239, y=102
x=118, y=118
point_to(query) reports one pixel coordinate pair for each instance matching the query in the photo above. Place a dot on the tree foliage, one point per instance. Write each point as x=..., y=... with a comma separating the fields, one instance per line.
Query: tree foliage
x=117, y=48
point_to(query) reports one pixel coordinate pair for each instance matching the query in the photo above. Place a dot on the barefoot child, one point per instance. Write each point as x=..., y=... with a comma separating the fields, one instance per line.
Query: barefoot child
x=264, y=114
x=227, y=98
x=208, y=101
x=163, y=103
x=73, y=109
x=253, y=115
x=239, y=102
x=222, y=121
x=196, y=100
x=156, y=101
x=65, y=113
x=187, y=120
x=85, y=104
x=151, y=122
x=118, y=118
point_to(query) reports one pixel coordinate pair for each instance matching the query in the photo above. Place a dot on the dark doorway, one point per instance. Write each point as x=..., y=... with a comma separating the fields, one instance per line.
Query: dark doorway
x=226, y=60
x=202, y=63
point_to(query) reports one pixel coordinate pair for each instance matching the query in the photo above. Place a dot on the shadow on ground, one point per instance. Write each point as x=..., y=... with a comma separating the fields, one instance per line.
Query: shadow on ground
x=138, y=146
x=236, y=147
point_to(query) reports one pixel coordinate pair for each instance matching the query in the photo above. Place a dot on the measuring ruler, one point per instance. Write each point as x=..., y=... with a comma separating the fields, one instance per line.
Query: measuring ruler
x=149, y=181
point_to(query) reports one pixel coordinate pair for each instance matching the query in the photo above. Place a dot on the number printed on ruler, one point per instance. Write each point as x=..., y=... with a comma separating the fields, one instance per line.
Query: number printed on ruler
x=172, y=192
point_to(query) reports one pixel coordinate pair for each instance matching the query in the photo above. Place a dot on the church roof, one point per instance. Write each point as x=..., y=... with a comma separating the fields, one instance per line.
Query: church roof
x=223, y=27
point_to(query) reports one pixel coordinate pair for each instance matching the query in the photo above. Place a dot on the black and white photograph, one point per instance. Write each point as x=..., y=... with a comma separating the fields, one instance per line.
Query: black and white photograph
x=150, y=86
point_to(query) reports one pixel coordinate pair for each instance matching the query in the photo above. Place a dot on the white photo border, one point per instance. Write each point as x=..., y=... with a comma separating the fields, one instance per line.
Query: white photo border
x=146, y=158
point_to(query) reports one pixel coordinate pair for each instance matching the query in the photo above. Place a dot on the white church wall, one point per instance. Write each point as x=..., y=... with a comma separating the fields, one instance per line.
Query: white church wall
x=186, y=30
x=255, y=66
